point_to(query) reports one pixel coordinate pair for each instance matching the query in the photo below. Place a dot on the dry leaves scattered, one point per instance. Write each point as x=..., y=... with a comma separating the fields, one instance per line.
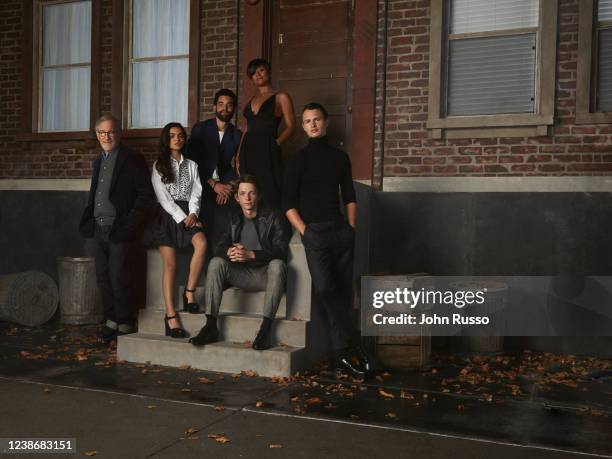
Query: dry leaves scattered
x=220, y=438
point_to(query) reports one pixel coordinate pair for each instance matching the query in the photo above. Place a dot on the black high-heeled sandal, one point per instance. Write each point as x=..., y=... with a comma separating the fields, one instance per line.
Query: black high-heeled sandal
x=191, y=308
x=174, y=332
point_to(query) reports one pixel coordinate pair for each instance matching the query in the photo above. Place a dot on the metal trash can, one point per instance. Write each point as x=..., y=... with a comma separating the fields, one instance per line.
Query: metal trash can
x=28, y=298
x=495, y=304
x=77, y=291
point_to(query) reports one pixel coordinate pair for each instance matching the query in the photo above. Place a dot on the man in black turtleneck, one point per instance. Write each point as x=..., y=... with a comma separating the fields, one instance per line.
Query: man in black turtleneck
x=311, y=202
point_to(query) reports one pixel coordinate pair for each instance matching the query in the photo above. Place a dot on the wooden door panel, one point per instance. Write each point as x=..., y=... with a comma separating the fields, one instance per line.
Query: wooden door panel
x=311, y=60
x=330, y=91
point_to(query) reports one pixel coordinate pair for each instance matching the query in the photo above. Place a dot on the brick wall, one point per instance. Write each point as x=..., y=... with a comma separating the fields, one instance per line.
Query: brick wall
x=408, y=151
x=72, y=159
x=402, y=145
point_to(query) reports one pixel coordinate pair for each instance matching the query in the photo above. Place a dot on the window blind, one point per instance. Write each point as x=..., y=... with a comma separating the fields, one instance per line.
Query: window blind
x=492, y=15
x=604, y=99
x=492, y=75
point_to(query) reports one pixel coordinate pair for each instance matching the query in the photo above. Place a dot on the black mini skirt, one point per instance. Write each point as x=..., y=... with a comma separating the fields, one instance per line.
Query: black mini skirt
x=163, y=230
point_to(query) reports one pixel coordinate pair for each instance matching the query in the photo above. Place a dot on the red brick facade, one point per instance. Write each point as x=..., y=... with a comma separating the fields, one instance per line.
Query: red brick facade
x=402, y=146
x=408, y=150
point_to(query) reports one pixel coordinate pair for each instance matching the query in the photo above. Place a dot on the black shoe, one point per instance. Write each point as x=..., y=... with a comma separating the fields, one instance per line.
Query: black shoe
x=262, y=340
x=364, y=359
x=174, y=332
x=106, y=333
x=347, y=364
x=208, y=334
x=191, y=308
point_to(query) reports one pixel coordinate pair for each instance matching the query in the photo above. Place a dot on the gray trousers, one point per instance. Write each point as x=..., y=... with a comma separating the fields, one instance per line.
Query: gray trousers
x=223, y=274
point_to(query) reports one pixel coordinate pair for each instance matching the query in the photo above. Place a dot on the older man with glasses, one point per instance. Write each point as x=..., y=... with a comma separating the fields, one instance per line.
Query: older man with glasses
x=120, y=199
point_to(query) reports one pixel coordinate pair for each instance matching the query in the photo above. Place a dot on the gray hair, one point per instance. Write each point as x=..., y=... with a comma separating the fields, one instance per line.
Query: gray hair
x=108, y=117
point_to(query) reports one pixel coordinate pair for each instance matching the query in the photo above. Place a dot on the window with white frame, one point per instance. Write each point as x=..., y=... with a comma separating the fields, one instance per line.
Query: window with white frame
x=158, y=63
x=64, y=66
x=604, y=56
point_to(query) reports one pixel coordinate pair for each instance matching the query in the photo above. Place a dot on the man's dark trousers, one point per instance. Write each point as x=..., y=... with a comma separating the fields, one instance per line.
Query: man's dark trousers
x=329, y=254
x=112, y=276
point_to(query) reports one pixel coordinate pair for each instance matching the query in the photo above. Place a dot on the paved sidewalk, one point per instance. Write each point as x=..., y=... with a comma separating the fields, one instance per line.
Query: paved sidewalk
x=58, y=382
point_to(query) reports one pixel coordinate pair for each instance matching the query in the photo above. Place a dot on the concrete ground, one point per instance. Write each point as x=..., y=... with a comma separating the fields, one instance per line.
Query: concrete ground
x=56, y=382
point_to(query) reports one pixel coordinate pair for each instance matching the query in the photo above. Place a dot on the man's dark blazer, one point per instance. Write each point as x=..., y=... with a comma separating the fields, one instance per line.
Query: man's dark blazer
x=130, y=192
x=204, y=148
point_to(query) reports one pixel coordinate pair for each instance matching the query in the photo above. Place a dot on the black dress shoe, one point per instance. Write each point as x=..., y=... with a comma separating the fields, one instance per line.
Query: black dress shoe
x=347, y=364
x=262, y=340
x=208, y=334
x=364, y=359
x=106, y=333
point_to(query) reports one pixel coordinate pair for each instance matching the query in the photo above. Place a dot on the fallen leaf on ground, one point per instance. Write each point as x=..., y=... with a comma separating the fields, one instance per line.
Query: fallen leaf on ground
x=151, y=406
x=275, y=445
x=90, y=453
x=391, y=415
x=382, y=393
x=219, y=408
x=220, y=438
x=185, y=390
x=184, y=367
x=258, y=404
x=312, y=401
x=190, y=431
x=205, y=380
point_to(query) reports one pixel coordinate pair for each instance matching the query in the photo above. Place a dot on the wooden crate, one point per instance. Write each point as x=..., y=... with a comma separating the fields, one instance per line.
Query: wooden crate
x=404, y=352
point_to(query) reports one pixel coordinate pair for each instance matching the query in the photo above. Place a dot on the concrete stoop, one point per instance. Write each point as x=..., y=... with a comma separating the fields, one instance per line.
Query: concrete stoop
x=296, y=344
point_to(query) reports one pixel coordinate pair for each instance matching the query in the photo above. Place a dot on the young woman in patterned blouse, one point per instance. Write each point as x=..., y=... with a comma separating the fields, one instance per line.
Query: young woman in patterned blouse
x=178, y=189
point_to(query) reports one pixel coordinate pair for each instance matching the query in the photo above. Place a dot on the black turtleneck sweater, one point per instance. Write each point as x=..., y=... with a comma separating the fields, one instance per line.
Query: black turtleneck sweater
x=312, y=180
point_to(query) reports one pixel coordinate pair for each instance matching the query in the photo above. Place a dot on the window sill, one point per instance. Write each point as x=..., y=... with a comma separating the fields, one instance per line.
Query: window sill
x=51, y=136
x=514, y=125
x=594, y=118
x=141, y=133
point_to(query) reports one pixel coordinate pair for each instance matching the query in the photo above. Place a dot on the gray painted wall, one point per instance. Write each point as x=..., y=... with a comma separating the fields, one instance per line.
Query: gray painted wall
x=39, y=226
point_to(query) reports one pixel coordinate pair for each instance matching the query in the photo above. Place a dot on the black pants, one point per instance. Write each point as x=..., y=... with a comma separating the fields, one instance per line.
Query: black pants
x=112, y=277
x=329, y=253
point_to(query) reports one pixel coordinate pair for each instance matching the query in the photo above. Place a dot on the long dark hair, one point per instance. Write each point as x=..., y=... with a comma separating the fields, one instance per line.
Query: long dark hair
x=163, y=158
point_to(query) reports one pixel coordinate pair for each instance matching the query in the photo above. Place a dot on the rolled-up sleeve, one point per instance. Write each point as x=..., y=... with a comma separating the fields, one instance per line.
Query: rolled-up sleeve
x=164, y=198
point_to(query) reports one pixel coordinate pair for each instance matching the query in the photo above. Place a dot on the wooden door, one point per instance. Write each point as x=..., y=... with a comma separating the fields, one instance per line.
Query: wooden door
x=311, y=59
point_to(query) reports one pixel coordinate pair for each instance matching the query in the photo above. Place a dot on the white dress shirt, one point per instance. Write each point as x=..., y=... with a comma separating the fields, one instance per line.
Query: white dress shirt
x=186, y=187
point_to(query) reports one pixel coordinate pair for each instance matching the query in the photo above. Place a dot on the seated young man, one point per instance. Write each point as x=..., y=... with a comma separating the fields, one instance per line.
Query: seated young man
x=250, y=254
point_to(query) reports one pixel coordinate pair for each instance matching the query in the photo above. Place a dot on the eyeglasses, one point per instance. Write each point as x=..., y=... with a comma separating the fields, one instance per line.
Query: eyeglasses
x=106, y=133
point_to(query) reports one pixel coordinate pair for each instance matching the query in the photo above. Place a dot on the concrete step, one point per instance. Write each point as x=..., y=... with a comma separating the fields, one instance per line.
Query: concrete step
x=232, y=326
x=223, y=356
x=238, y=301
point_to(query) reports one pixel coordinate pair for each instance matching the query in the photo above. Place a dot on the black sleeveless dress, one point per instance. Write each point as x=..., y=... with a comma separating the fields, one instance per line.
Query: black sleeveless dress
x=260, y=155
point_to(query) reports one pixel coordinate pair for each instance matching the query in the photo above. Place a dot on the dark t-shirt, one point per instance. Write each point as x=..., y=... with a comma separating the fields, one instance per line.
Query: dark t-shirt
x=248, y=235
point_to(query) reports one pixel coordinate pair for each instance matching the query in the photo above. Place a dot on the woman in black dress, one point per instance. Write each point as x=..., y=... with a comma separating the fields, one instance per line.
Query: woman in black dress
x=178, y=189
x=260, y=153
